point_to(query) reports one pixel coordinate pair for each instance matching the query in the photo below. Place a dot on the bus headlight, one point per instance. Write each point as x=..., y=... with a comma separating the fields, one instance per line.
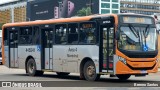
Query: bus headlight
x=122, y=60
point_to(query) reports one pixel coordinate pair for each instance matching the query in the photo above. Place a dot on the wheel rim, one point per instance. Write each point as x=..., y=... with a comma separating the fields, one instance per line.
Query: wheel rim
x=31, y=68
x=90, y=71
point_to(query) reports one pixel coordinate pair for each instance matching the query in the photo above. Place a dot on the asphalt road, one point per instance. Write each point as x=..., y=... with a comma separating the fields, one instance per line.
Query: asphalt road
x=71, y=82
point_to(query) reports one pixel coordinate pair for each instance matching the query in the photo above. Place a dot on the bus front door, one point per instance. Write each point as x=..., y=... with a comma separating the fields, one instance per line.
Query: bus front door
x=47, y=50
x=108, y=48
x=13, y=48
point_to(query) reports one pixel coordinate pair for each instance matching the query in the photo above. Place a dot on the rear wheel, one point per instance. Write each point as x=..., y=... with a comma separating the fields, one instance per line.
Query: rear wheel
x=89, y=71
x=31, y=68
x=123, y=77
x=62, y=73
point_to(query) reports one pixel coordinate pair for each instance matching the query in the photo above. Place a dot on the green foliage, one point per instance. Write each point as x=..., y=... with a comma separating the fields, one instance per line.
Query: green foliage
x=84, y=12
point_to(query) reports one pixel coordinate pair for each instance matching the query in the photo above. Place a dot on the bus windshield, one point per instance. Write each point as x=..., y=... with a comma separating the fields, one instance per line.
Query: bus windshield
x=137, y=38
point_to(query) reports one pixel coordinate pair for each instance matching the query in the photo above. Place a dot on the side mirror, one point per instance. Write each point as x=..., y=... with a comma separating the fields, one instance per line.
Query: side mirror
x=117, y=35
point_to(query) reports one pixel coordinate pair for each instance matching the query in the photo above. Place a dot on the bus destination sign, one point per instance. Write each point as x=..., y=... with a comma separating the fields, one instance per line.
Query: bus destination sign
x=141, y=20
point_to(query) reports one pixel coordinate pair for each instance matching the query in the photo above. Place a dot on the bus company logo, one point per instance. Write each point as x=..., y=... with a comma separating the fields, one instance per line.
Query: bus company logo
x=6, y=84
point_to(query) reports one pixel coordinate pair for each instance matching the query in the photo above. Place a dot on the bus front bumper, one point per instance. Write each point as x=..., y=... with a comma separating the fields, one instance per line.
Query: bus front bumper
x=122, y=68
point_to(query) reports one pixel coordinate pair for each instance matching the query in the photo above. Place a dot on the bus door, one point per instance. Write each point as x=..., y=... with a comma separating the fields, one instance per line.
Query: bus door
x=47, y=51
x=107, y=44
x=13, y=48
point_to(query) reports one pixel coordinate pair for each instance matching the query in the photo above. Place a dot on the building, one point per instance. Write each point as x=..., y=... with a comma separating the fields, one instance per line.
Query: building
x=148, y=7
x=109, y=6
x=13, y=12
x=30, y=10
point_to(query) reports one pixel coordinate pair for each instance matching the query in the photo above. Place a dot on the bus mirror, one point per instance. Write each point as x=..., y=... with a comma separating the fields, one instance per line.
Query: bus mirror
x=117, y=35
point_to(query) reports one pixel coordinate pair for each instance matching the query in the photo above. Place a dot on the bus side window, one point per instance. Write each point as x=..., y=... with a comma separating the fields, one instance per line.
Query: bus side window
x=87, y=33
x=5, y=37
x=73, y=33
x=25, y=35
x=61, y=34
x=36, y=35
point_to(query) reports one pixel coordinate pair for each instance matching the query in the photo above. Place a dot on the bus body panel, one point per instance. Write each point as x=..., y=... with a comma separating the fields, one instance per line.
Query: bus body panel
x=121, y=68
x=25, y=51
x=13, y=57
x=48, y=58
x=6, y=56
x=67, y=57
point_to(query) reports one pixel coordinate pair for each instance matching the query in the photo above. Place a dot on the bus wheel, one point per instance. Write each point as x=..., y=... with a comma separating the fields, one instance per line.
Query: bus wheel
x=123, y=77
x=90, y=71
x=31, y=68
x=62, y=73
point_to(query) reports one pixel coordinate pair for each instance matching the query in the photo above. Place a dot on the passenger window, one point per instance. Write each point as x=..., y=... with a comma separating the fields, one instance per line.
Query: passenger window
x=73, y=33
x=36, y=36
x=25, y=36
x=87, y=33
x=61, y=34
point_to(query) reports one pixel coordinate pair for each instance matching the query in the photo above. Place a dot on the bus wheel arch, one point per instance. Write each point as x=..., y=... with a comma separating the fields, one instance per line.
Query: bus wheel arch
x=29, y=57
x=83, y=64
x=30, y=61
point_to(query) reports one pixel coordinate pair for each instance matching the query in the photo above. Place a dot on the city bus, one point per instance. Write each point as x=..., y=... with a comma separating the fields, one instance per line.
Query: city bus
x=109, y=44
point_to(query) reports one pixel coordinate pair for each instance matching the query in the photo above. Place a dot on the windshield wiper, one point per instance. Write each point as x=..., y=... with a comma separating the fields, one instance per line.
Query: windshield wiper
x=134, y=31
x=146, y=31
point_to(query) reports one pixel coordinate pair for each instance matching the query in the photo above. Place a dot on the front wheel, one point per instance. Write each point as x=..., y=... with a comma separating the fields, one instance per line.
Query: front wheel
x=89, y=71
x=123, y=77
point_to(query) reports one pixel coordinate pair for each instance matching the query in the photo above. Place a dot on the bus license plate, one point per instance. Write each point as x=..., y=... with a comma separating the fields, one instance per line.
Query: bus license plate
x=143, y=71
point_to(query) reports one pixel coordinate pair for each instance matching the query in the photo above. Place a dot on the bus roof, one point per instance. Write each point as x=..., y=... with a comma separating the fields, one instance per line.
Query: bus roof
x=61, y=20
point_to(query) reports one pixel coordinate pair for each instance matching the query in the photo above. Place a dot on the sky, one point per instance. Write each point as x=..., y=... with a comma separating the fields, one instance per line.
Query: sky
x=5, y=1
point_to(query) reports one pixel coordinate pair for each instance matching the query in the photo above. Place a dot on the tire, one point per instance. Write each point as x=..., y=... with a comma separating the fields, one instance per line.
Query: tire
x=62, y=73
x=31, y=68
x=123, y=77
x=89, y=71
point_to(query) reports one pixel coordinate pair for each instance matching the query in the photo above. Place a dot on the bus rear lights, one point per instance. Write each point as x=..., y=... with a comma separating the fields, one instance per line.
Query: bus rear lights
x=122, y=60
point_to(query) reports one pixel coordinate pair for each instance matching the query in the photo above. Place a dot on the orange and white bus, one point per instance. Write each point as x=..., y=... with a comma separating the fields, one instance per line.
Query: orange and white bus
x=115, y=44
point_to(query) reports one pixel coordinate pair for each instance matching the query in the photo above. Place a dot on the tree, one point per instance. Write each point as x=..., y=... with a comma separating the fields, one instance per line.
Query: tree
x=84, y=12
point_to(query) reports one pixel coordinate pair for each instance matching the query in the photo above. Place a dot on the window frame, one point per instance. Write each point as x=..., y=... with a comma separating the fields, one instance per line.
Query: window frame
x=25, y=44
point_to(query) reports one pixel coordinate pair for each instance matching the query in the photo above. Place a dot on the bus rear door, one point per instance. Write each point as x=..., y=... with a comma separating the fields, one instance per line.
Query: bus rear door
x=13, y=48
x=47, y=50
